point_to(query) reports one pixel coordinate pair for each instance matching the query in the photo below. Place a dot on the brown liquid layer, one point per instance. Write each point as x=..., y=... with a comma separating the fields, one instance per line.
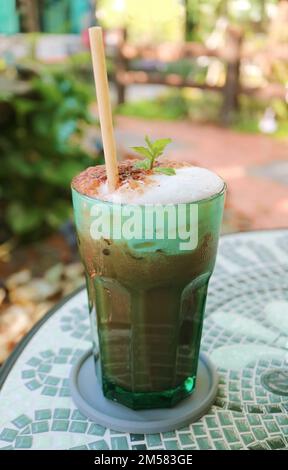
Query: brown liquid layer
x=149, y=309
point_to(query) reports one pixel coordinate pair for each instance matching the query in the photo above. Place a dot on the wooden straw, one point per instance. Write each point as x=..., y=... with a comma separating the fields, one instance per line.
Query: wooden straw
x=104, y=105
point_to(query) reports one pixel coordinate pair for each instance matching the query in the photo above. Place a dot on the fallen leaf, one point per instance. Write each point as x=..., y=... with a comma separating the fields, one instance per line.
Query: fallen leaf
x=18, y=279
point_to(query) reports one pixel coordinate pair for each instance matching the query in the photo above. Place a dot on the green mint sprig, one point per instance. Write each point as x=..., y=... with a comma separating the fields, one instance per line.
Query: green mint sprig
x=151, y=153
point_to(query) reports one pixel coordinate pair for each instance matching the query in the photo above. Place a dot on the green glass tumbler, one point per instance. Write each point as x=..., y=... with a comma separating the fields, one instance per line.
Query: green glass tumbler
x=147, y=292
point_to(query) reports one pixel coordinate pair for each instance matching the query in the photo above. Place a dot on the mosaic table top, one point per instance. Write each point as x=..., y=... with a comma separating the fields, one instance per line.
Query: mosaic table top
x=245, y=334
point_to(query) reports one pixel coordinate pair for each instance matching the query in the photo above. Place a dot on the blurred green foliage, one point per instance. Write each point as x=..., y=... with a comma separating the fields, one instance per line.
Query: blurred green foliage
x=184, y=67
x=170, y=106
x=251, y=111
x=150, y=21
x=170, y=20
x=204, y=107
x=201, y=15
x=176, y=104
x=41, y=149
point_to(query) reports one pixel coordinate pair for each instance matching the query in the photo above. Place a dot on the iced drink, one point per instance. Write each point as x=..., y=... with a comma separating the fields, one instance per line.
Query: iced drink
x=147, y=287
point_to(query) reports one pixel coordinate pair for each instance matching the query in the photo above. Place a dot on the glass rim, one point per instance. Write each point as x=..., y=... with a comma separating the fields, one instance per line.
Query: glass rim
x=118, y=204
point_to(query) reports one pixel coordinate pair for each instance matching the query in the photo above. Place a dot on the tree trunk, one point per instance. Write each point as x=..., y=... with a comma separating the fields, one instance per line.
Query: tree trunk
x=232, y=84
x=189, y=22
x=121, y=67
x=30, y=14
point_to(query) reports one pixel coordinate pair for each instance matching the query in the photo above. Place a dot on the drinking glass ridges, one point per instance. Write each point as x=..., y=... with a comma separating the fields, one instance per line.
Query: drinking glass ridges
x=149, y=249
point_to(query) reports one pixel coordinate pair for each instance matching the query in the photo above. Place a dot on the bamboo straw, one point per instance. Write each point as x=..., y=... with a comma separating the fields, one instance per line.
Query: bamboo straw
x=104, y=105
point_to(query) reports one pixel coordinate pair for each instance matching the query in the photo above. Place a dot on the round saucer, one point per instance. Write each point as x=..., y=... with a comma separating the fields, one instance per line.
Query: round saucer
x=87, y=395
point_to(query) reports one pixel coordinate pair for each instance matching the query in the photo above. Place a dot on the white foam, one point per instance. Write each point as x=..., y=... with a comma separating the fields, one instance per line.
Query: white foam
x=189, y=184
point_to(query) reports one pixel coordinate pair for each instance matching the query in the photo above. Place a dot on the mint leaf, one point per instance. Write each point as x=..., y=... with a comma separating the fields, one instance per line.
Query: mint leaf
x=151, y=153
x=143, y=151
x=142, y=164
x=160, y=144
x=165, y=171
x=149, y=143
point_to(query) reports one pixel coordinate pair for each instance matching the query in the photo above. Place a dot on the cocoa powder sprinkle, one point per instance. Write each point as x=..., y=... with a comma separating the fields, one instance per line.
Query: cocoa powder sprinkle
x=89, y=180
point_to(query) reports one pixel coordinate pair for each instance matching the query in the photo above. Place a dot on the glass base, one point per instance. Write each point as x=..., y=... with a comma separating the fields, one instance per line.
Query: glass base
x=148, y=400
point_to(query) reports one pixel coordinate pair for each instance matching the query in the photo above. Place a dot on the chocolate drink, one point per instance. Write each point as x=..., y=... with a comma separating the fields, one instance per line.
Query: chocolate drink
x=147, y=294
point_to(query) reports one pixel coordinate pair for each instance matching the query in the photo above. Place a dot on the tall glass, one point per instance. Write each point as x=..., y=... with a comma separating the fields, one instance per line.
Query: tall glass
x=147, y=294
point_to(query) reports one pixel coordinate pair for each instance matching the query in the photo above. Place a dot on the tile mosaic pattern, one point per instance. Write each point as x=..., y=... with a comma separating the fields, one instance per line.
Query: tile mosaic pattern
x=38, y=372
x=245, y=334
x=74, y=322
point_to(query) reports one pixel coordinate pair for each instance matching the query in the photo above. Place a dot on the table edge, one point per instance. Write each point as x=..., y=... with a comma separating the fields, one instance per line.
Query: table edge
x=12, y=358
